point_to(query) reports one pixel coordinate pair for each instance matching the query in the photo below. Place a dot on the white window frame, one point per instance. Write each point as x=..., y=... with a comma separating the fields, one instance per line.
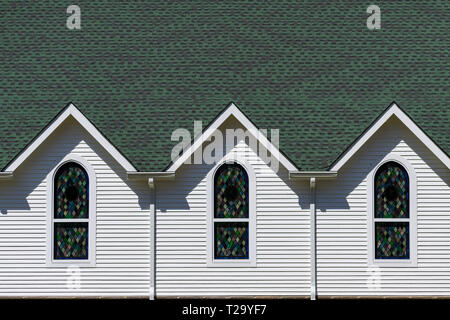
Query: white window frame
x=251, y=261
x=412, y=261
x=91, y=261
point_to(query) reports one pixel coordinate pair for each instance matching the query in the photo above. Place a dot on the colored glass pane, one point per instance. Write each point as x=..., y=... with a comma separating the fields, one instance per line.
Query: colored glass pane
x=231, y=192
x=71, y=192
x=231, y=240
x=71, y=240
x=392, y=240
x=391, y=191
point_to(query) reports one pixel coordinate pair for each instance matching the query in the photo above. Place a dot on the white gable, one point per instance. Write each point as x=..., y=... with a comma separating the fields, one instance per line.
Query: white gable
x=393, y=110
x=71, y=111
x=233, y=110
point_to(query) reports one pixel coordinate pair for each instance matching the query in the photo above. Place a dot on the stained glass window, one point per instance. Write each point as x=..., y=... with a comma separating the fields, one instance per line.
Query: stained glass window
x=231, y=240
x=231, y=212
x=71, y=212
x=391, y=191
x=71, y=192
x=231, y=192
x=392, y=240
x=391, y=201
x=71, y=240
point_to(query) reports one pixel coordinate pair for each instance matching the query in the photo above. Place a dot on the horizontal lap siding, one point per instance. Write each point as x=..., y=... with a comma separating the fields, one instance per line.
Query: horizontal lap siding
x=283, y=237
x=342, y=223
x=122, y=254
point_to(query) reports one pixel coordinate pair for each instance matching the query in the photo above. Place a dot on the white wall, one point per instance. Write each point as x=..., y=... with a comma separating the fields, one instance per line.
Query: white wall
x=282, y=219
x=283, y=236
x=122, y=254
x=343, y=216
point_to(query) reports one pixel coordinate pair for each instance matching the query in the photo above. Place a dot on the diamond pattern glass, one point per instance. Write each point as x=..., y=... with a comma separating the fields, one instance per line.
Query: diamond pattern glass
x=231, y=240
x=391, y=191
x=231, y=192
x=71, y=240
x=71, y=192
x=392, y=240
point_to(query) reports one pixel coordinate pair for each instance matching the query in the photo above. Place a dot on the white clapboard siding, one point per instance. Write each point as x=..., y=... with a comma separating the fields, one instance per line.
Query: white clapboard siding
x=283, y=236
x=122, y=248
x=342, y=241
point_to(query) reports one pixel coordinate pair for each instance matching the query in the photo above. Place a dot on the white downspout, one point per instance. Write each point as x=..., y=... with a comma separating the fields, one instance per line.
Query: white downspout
x=152, y=233
x=312, y=207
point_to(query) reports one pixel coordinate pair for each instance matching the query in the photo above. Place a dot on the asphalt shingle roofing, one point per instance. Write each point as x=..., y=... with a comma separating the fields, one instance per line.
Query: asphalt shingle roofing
x=138, y=70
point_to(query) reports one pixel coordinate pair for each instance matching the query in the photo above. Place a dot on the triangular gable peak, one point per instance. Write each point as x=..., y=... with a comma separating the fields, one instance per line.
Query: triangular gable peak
x=392, y=111
x=232, y=110
x=70, y=111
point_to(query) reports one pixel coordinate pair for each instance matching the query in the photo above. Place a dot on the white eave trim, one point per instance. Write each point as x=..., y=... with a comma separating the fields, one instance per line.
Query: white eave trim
x=6, y=175
x=71, y=110
x=233, y=110
x=312, y=174
x=393, y=110
x=150, y=175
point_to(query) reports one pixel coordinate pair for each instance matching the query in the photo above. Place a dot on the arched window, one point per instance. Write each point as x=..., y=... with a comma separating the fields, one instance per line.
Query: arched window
x=231, y=212
x=392, y=212
x=71, y=212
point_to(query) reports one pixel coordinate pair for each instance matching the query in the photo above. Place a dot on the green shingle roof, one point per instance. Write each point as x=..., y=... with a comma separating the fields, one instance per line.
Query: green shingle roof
x=140, y=69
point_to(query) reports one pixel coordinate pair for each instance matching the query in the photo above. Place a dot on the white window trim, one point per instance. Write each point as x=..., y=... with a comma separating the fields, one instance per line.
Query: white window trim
x=412, y=261
x=91, y=261
x=251, y=261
